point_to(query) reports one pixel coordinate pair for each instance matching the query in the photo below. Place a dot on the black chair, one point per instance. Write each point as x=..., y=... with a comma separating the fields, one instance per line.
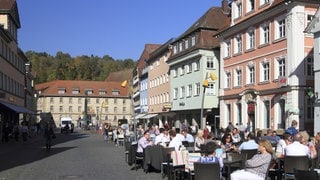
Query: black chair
x=134, y=158
x=294, y=162
x=206, y=171
x=305, y=175
x=247, y=154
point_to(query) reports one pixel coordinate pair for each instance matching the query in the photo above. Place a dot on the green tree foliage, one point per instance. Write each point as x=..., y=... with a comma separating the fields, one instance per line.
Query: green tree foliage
x=64, y=67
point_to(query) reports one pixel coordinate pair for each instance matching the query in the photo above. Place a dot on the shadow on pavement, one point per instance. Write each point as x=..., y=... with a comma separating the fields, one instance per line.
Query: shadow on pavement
x=14, y=154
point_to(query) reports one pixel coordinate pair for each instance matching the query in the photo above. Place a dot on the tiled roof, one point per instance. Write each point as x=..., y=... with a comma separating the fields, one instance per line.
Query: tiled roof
x=52, y=88
x=148, y=49
x=10, y=7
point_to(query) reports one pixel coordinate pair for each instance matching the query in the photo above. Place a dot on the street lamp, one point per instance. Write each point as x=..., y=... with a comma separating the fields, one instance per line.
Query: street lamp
x=205, y=84
x=125, y=84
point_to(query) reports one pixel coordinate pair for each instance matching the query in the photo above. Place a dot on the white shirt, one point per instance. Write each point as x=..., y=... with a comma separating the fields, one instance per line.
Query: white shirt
x=176, y=143
x=297, y=149
x=161, y=138
x=180, y=137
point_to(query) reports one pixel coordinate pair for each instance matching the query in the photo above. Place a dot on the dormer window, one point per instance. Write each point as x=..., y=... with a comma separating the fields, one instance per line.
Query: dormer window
x=75, y=91
x=61, y=90
x=115, y=92
x=89, y=91
x=102, y=91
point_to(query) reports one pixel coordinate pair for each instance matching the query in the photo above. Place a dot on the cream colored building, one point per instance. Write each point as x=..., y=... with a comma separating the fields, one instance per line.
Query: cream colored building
x=107, y=102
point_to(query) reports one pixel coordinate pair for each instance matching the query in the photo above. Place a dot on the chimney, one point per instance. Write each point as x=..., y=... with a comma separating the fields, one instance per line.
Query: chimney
x=225, y=7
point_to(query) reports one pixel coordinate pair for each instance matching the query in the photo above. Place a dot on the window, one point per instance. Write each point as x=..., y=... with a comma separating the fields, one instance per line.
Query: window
x=75, y=91
x=60, y=108
x=250, y=5
x=309, y=18
x=115, y=92
x=228, y=79
x=210, y=63
x=280, y=27
x=115, y=101
x=189, y=90
x=189, y=68
x=251, y=75
x=265, y=71
x=197, y=66
x=79, y=108
x=265, y=34
x=115, y=109
x=238, y=44
x=263, y=2
x=175, y=93
x=102, y=91
x=227, y=49
x=238, y=10
x=61, y=100
x=193, y=40
x=61, y=90
x=309, y=69
x=70, y=100
x=186, y=44
x=89, y=91
x=182, y=92
x=175, y=74
x=70, y=109
x=281, y=67
x=250, y=39
x=210, y=89
x=197, y=89
x=124, y=109
x=182, y=70
x=51, y=109
x=51, y=100
x=238, y=77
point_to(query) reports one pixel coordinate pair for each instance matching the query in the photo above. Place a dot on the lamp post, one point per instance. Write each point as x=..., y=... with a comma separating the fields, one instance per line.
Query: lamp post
x=85, y=115
x=205, y=84
x=125, y=84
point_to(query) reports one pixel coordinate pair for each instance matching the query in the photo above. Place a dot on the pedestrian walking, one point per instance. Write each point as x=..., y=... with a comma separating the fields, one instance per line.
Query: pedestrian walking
x=49, y=135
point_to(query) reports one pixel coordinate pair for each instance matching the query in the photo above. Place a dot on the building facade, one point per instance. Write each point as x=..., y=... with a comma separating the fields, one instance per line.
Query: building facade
x=104, y=102
x=267, y=64
x=314, y=28
x=195, y=56
x=16, y=87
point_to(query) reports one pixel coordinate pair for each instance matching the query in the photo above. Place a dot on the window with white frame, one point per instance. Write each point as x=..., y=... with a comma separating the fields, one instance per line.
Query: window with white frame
x=280, y=27
x=180, y=46
x=211, y=88
x=193, y=40
x=238, y=44
x=182, y=92
x=238, y=81
x=227, y=49
x=182, y=70
x=189, y=90
x=265, y=73
x=175, y=93
x=228, y=80
x=197, y=89
x=175, y=72
x=189, y=68
x=280, y=69
x=250, y=39
x=186, y=43
x=265, y=34
x=263, y=2
x=174, y=49
x=238, y=9
x=197, y=66
x=251, y=74
x=250, y=5
x=309, y=67
x=210, y=63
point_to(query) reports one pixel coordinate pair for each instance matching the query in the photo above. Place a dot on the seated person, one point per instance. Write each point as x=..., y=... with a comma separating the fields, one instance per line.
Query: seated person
x=210, y=155
x=269, y=136
x=256, y=167
x=175, y=141
x=249, y=144
x=188, y=136
x=143, y=143
x=227, y=143
x=163, y=137
x=297, y=148
x=286, y=140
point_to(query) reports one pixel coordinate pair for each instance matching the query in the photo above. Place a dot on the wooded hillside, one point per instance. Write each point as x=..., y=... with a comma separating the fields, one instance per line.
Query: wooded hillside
x=64, y=67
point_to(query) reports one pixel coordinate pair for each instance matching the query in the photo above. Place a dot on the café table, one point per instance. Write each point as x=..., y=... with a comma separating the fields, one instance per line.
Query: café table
x=228, y=162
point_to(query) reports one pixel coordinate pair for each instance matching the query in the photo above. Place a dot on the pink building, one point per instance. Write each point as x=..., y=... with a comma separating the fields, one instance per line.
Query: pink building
x=267, y=64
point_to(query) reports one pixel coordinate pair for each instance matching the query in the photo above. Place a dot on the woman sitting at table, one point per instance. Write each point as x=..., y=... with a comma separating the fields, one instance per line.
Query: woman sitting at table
x=210, y=155
x=256, y=167
x=199, y=140
x=227, y=143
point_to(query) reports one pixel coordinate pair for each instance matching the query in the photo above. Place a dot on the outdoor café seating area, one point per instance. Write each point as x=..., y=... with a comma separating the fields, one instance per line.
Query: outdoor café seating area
x=184, y=163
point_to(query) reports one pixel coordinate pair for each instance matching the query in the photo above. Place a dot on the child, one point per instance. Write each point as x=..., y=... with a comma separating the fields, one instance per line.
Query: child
x=210, y=156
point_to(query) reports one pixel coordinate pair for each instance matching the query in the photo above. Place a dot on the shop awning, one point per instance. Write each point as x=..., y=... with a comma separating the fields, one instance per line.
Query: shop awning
x=139, y=116
x=148, y=116
x=17, y=109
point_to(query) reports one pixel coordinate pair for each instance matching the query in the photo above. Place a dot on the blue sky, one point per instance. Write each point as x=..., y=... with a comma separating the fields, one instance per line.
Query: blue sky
x=118, y=28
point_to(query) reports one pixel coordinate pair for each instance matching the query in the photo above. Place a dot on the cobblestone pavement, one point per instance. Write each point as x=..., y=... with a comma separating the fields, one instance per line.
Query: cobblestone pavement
x=76, y=156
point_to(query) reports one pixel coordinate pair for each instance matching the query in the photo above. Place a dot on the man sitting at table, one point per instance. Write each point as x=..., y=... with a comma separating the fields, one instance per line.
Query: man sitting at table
x=143, y=142
x=210, y=155
x=297, y=148
x=249, y=144
x=163, y=137
x=175, y=141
